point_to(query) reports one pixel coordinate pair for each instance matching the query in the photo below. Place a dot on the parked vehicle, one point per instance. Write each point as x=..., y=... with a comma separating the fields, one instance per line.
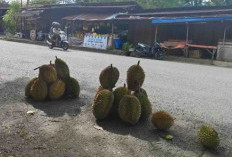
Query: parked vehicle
x=155, y=51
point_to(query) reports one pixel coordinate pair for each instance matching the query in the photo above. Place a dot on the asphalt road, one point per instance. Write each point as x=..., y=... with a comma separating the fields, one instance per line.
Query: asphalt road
x=194, y=94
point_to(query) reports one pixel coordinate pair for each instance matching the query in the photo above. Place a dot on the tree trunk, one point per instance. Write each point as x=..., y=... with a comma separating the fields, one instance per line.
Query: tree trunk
x=28, y=3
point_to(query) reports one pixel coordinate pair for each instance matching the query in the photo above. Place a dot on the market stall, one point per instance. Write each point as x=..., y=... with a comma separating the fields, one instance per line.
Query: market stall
x=98, y=31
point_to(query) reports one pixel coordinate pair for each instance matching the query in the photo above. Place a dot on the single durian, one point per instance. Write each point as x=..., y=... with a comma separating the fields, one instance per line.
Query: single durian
x=28, y=87
x=72, y=87
x=162, y=120
x=102, y=104
x=56, y=90
x=130, y=109
x=47, y=73
x=146, y=107
x=135, y=77
x=119, y=93
x=39, y=90
x=208, y=137
x=62, y=69
x=141, y=90
x=109, y=77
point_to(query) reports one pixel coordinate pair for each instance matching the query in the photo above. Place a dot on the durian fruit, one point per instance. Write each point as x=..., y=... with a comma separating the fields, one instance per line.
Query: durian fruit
x=39, y=90
x=102, y=104
x=130, y=109
x=119, y=93
x=135, y=77
x=146, y=107
x=56, y=90
x=72, y=88
x=208, y=137
x=62, y=69
x=162, y=120
x=141, y=90
x=100, y=88
x=28, y=87
x=109, y=77
x=47, y=73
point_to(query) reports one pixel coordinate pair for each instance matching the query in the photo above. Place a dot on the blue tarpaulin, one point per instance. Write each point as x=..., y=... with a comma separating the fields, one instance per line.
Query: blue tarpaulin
x=188, y=19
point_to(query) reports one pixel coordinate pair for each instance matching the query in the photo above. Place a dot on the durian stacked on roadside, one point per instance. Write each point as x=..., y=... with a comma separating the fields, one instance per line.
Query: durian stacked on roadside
x=104, y=98
x=53, y=83
x=72, y=89
x=135, y=105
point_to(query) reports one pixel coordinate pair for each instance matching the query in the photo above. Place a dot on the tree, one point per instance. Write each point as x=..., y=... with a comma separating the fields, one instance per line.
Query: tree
x=9, y=19
x=47, y=2
x=219, y=2
x=43, y=2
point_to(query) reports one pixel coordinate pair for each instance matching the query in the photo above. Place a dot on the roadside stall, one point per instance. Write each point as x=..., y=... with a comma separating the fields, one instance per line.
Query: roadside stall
x=197, y=24
x=98, y=31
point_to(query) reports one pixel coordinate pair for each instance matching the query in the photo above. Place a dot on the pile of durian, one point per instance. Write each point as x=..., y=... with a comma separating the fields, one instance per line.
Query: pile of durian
x=53, y=83
x=131, y=103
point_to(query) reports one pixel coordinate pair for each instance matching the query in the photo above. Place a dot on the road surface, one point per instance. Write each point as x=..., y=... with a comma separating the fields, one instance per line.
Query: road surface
x=193, y=94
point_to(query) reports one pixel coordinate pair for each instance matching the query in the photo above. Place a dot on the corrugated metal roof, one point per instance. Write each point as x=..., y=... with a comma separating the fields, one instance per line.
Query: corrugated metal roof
x=91, y=17
x=166, y=17
x=118, y=5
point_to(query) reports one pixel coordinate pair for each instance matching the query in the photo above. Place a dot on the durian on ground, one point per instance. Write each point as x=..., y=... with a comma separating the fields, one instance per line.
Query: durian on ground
x=72, y=87
x=102, y=104
x=130, y=109
x=162, y=120
x=28, y=87
x=119, y=93
x=56, y=90
x=39, y=90
x=146, y=107
x=208, y=137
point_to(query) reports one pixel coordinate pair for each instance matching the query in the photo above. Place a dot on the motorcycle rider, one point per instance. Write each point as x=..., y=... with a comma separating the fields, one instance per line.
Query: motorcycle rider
x=55, y=32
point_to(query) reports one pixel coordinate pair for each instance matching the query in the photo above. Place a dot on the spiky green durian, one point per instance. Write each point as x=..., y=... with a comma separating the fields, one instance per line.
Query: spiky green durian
x=72, y=87
x=208, y=137
x=56, y=90
x=102, y=104
x=141, y=90
x=130, y=109
x=162, y=120
x=62, y=69
x=109, y=77
x=28, y=87
x=47, y=73
x=135, y=77
x=119, y=93
x=39, y=90
x=146, y=107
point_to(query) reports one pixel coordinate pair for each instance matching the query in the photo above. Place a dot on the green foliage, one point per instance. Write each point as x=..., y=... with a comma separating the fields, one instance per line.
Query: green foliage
x=43, y=2
x=9, y=19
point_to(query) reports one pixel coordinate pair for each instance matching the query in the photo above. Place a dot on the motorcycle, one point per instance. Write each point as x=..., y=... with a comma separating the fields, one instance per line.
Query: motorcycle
x=155, y=51
x=62, y=43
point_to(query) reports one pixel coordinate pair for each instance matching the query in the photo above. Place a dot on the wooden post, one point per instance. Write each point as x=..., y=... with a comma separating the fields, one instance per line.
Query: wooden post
x=156, y=31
